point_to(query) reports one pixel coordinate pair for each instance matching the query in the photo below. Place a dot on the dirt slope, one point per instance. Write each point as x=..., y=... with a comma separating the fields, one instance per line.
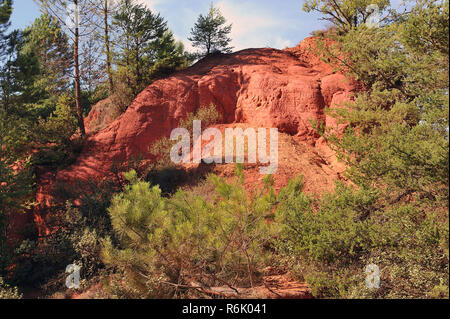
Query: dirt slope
x=286, y=89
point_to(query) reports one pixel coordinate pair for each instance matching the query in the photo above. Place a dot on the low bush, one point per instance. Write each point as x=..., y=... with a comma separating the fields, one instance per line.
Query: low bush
x=184, y=244
x=329, y=243
x=73, y=240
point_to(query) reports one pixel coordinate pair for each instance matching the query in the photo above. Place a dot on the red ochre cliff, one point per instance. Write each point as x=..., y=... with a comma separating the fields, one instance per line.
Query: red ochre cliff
x=285, y=89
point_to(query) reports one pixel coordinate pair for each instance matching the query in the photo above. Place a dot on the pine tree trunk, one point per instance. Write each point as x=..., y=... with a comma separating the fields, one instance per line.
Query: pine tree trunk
x=138, y=73
x=77, y=77
x=108, y=52
x=208, y=45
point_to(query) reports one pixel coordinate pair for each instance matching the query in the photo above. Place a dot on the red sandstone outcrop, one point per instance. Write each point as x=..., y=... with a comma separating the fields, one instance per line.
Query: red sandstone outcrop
x=286, y=89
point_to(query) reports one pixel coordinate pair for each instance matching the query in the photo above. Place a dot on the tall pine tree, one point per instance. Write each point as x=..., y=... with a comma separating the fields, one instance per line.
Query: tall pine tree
x=5, y=13
x=139, y=31
x=210, y=33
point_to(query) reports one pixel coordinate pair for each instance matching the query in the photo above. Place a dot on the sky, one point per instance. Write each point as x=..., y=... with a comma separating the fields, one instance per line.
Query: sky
x=256, y=23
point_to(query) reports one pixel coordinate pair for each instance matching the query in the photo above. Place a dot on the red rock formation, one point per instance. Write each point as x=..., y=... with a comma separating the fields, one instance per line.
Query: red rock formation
x=286, y=89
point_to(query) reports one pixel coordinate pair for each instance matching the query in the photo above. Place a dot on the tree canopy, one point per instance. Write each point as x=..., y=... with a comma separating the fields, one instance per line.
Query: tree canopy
x=347, y=14
x=210, y=33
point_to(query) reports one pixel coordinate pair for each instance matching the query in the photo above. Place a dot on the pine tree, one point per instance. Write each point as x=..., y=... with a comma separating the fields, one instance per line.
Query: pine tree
x=9, y=84
x=187, y=242
x=210, y=33
x=45, y=46
x=347, y=14
x=13, y=134
x=169, y=56
x=395, y=212
x=5, y=13
x=77, y=18
x=139, y=31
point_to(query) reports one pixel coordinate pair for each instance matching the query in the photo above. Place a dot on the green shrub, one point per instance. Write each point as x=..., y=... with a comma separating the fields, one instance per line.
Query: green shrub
x=123, y=93
x=74, y=240
x=395, y=149
x=61, y=125
x=169, y=245
x=163, y=171
x=329, y=242
x=57, y=146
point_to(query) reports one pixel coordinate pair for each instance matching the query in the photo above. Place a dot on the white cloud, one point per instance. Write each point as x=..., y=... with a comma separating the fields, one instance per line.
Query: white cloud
x=252, y=25
x=281, y=43
x=152, y=4
x=187, y=44
x=255, y=24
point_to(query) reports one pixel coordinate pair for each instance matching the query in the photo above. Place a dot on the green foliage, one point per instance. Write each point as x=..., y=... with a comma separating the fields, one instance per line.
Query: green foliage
x=123, y=91
x=345, y=14
x=38, y=68
x=35, y=77
x=16, y=178
x=170, y=56
x=56, y=145
x=210, y=33
x=5, y=11
x=38, y=128
x=169, y=245
x=330, y=232
x=147, y=49
x=5, y=14
x=93, y=199
x=61, y=125
x=15, y=175
x=393, y=212
x=8, y=84
x=330, y=245
x=75, y=239
x=163, y=172
x=45, y=42
x=397, y=137
x=208, y=115
x=395, y=147
x=75, y=234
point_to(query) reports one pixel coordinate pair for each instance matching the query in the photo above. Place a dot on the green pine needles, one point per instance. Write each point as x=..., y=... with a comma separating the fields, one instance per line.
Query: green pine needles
x=170, y=245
